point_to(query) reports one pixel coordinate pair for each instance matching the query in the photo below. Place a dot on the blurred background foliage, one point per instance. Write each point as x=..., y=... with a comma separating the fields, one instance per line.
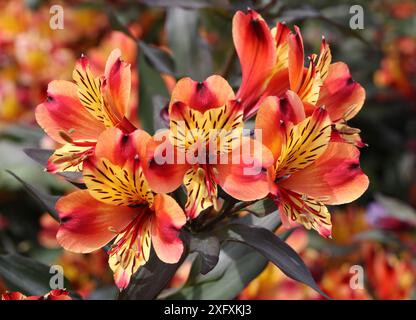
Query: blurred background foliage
x=165, y=40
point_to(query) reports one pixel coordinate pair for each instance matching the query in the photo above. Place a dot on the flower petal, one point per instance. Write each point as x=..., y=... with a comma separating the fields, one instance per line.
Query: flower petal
x=335, y=178
x=272, y=114
x=324, y=60
x=212, y=93
x=63, y=112
x=121, y=148
x=281, y=33
x=131, y=249
x=256, y=50
x=201, y=190
x=68, y=158
x=114, y=174
x=278, y=84
x=344, y=133
x=296, y=60
x=90, y=93
x=163, y=164
x=304, y=143
x=247, y=166
x=166, y=224
x=87, y=224
x=220, y=126
x=118, y=82
x=340, y=94
x=111, y=184
x=295, y=208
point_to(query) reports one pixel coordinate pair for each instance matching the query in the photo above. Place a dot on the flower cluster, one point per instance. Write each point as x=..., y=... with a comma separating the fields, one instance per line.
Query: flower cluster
x=30, y=52
x=302, y=154
x=57, y=294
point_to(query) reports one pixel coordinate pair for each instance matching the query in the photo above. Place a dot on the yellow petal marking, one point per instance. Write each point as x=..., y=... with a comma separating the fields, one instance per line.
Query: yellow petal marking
x=91, y=96
x=131, y=248
x=222, y=127
x=311, y=84
x=68, y=158
x=304, y=143
x=324, y=60
x=201, y=190
x=112, y=184
x=305, y=210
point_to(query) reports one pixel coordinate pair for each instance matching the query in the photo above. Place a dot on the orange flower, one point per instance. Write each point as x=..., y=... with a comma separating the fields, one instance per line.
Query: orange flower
x=336, y=283
x=272, y=62
x=309, y=169
x=206, y=125
x=119, y=205
x=76, y=113
x=390, y=277
x=57, y=294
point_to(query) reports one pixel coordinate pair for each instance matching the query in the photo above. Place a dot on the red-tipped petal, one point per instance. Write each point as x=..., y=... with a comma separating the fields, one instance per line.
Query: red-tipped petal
x=257, y=53
x=269, y=124
x=169, y=219
x=120, y=148
x=273, y=117
x=335, y=178
x=118, y=82
x=87, y=224
x=63, y=112
x=211, y=93
x=163, y=164
x=340, y=94
x=297, y=208
x=296, y=60
x=247, y=166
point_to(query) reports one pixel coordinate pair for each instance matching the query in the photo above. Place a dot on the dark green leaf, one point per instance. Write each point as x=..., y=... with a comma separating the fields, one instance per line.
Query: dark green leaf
x=274, y=249
x=238, y=264
x=208, y=249
x=117, y=21
x=150, y=280
x=160, y=60
x=104, y=293
x=261, y=208
x=47, y=201
x=42, y=155
x=26, y=275
x=39, y=155
x=151, y=85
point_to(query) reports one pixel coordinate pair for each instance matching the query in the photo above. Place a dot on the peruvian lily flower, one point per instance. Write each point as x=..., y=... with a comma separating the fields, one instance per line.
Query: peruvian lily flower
x=119, y=205
x=310, y=171
x=206, y=133
x=57, y=294
x=272, y=62
x=75, y=114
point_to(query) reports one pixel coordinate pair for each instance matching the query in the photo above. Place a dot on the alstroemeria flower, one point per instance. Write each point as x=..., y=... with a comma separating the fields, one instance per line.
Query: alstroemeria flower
x=272, y=62
x=75, y=114
x=206, y=126
x=57, y=294
x=119, y=205
x=310, y=171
